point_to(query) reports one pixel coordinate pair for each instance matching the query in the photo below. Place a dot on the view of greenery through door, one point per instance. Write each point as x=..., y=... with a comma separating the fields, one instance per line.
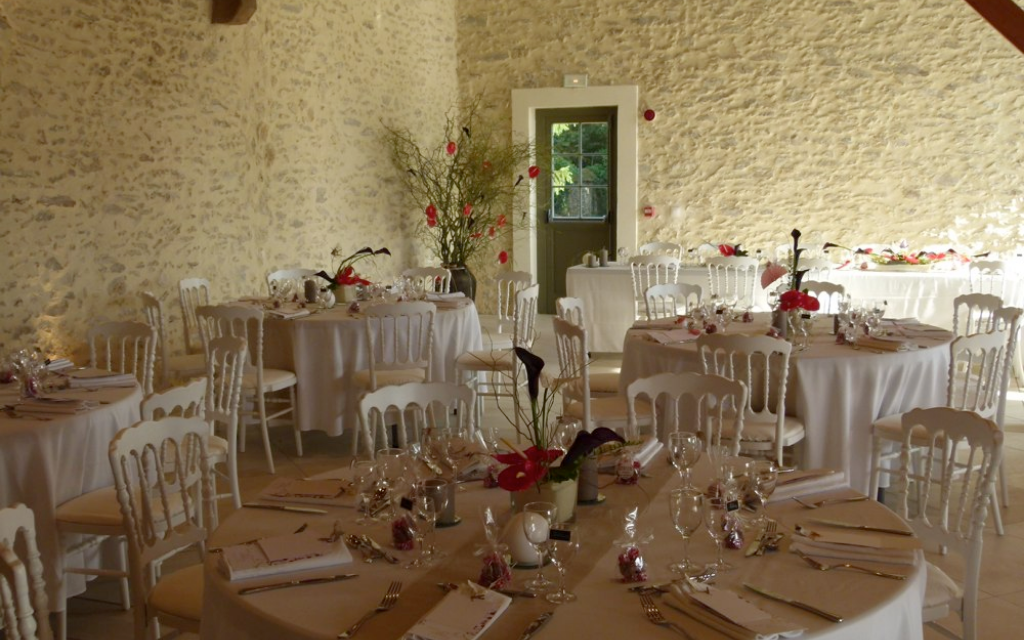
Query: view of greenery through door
x=579, y=170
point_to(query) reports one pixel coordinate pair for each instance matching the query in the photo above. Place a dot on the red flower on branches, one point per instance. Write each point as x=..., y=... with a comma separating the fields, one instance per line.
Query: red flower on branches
x=503, y=257
x=451, y=148
x=468, y=209
x=792, y=300
x=534, y=171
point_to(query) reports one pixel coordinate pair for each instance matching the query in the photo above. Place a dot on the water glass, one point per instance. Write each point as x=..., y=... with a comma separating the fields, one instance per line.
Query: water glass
x=718, y=520
x=563, y=544
x=684, y=449
x=537, y=520
x=686, y=508
x=364, y=476
x=765, y=477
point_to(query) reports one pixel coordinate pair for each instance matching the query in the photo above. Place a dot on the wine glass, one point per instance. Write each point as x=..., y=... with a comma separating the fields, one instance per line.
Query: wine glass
x=765, y=476
x=684, y=450
x=364, y=475
x=422, y=513
x=686, y=508
x=430, y=509
x=563, y=544
x=537, y=519
x=394, y=471
x=718, y=520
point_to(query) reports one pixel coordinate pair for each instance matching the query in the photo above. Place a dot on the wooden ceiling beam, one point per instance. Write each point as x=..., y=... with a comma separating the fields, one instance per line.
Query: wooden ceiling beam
x=1006, y=16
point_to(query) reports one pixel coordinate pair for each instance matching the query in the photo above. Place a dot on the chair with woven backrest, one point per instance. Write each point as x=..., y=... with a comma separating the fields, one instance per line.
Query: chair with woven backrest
x=434, y=279
x=976, y=367
x=498, y=328
x=400, y=339
x=294, y=277
x=571, y=309
x=952, y=501
x=165, y=491
x=670, y=249
x=24, y=607
x=259, y=381
x=124, y=347
x=192, y=294
x=491, y=372
x=672, y=299
x=417, y=406
x=573, y=382
x=648, y=271
x=762, y=364
x=974, y=313
x=732, y=278
x=696, y=402
x=828, y=294
x=183, y=366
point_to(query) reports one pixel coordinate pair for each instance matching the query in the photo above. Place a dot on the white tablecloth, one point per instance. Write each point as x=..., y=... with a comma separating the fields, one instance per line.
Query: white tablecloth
x=607, y=293
x=325, y=349
x=875, y=608
x=44, y=463
x=835, y=390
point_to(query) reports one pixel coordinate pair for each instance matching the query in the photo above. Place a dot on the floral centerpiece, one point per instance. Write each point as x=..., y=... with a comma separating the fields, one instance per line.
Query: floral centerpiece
x=730, y=250
x=466, y=186
x=345, y=273
x=793, y=298
x=900, y=255
x=540, y=462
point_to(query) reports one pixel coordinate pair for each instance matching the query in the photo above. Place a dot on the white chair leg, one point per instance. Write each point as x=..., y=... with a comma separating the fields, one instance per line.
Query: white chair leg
x=122, y=559
x=61, y=632
x=295, y=422
x=236, y=493
x=265, y=431
x=876, y=466
x=997, y=512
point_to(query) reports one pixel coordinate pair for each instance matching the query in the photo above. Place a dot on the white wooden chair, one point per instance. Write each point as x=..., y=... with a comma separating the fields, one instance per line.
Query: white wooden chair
x=124, y=347
x=733, y=278
x=952, y=501
x=818, y=269
x=571, y=309
x=165, y=491
x=276, y=279
x=434, y=279
x=225, y=374
x=573, y=382
x=989, y=276
x=192, y=294
x=828, y=294
x=24, y=607
x=762, y=364
x=648, y=271
x=1007, y=319
x=491, y=372
x=400, y=340
x=670, y=249
x=975, y=313
x=700, y=403
x=672, y=299
x=184, y=401
x=416, y=406
x=259, y=381
x=171, y=367
x=977, y=364
x=498, y=328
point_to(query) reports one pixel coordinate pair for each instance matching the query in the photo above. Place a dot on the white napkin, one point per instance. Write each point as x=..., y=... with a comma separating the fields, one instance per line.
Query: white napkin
x=672, y=336
x=325, y=491
x=661, y=323
x=91, y=378
x=435, y=297
x=855, y=545
x=805, y=482
x=643, y=453
x=732, y=615
x=54, y=405
x=289, y=312
x=883, y=343
x=464, y=614
x=282, y=554
x=57, y=364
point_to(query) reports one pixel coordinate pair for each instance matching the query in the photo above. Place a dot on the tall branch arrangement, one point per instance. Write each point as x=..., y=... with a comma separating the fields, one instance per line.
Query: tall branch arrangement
x=467, y=185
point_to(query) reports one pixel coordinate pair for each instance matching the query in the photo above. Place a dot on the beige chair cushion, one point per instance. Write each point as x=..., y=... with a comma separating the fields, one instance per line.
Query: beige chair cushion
x=180, y=594
x=941, y=588
x=891, y=428
x=764, y=430
x=389, y=377
x=273, y=380
x=486, y=360
x=98, y=507
x=613, y=409
x=217, y=448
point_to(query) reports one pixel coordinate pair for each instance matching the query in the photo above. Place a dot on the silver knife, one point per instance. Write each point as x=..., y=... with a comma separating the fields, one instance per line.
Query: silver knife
x=794, y=603
x=379, y=549
x=863, y=527
x=295, y=583
x=283, y=507
x=535, y=626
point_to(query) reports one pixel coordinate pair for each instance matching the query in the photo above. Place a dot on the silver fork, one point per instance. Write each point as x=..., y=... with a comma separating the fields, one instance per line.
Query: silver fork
x=770, y=530
x=653, y=614
x=821, y=566
x=821, y=503
x=387, y=602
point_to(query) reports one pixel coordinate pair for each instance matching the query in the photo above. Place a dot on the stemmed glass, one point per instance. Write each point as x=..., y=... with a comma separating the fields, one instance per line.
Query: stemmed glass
x=537, y=519
x=686, y=508
x=364, y=475
x=394, y=470
x=564, y=543
x=684, y=450
x=429, y=502
x=765, y=476
x=718, y=521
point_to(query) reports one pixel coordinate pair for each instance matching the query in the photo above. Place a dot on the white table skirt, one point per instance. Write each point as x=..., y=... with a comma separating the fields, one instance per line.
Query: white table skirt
x=607, y=294
x=875, y=608
x=836, y=391
x=44, y=463
x=326, y=349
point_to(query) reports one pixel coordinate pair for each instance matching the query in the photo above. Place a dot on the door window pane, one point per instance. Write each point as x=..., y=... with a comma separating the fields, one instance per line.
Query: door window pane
x=595, y=170
x=595, y=137
x=580, y=171
x=565, y=171
x=565, y=137
x=595, y=206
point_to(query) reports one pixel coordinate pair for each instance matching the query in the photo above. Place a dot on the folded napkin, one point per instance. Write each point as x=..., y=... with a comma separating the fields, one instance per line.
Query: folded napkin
x=732, y=616
x=289, y=312
x=58, y=364
x=435, y=297
x=643, y=453
x=327, y=491
x=672, y=336
x=98, y=378
x=805, y=482
x=661, y=323
x=54, y=405
x=282, y=554
x=865, y=546
x=455, y=303
x=883, y=343
x=464, y=614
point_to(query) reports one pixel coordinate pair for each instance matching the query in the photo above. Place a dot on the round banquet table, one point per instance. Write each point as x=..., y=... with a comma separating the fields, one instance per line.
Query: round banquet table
x=46, y=462
x=836, y=390
x=874, y=607
x=325, y=349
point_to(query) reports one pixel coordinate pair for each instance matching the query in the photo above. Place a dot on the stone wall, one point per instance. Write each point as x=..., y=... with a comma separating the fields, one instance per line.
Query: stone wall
x=857, y=121
x=140, y=144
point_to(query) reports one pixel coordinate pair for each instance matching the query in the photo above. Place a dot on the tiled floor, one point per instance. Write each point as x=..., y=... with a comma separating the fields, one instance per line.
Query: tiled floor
x=96, y=616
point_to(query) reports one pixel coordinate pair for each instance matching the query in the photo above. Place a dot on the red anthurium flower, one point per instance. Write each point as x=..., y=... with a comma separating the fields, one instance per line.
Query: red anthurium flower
x=490, y=232
x=913, y=260
x=451, y=148
x=487, y=165
x=503, y=257
x=522, y=473
x=431, y=211
x=726, y=250
x=534, y=171
x=468, y=209
x=431, y=221
x=476, y=234
x=501, y=221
